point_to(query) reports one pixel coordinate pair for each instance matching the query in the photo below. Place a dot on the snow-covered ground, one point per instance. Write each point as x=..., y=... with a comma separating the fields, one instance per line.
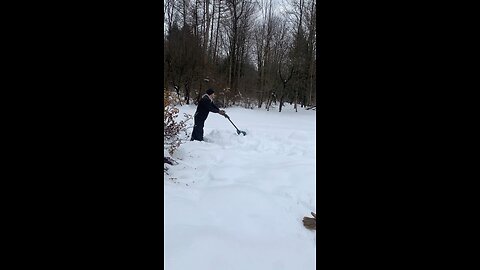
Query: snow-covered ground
x=237, y=202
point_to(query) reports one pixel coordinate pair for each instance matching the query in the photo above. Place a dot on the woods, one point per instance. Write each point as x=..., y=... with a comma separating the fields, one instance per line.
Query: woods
x=255, y=53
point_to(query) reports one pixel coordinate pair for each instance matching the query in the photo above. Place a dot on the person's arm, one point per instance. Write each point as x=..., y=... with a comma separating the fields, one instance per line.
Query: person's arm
x=213, y=108
x=207, y=105
x=222, y=112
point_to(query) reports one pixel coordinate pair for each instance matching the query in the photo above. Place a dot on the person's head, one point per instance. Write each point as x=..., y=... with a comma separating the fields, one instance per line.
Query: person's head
x=211, y=93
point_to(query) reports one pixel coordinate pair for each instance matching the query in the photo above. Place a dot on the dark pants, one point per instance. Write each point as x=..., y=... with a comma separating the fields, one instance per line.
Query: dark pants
x=197, y=133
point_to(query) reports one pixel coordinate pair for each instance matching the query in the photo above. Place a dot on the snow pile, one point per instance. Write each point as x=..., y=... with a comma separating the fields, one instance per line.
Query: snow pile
x=237, y=202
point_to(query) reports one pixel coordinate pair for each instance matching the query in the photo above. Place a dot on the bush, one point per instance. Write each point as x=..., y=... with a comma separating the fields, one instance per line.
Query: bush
x=171, y=127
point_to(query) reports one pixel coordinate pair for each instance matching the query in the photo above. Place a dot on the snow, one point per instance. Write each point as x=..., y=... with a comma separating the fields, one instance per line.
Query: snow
x=237, y=202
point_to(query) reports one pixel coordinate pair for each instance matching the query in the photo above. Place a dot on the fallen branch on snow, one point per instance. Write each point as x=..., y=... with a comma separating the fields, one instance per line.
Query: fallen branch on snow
x=310, y=223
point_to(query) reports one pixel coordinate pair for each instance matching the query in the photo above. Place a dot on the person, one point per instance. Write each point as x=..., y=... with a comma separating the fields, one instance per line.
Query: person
x=205, y=105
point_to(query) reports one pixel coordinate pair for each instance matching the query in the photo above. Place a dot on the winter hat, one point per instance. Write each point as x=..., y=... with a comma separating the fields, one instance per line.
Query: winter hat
x=210, y=91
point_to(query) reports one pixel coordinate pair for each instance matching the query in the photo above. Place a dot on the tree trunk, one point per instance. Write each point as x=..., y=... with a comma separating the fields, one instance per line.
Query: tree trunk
x=211, y=31
x=165, y=82
x=296, y=100
x=216, y=34
x=284, y=82
x=195, y=30
x=187, y=92
x=206, y=29
x=184, y=13
x=281, y=101
x=240, y=65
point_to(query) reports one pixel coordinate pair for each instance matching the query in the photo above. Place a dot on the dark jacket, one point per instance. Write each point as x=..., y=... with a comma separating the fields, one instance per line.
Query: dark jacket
x=205, y=105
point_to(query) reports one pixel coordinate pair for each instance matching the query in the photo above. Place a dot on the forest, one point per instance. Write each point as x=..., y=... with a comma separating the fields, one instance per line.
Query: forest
x=252, y=53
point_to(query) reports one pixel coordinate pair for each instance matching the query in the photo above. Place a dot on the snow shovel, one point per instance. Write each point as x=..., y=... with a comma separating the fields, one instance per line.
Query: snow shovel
x=238, y=131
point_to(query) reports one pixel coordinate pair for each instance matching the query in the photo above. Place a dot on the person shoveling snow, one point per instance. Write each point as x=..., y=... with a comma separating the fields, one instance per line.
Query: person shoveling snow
x=205, y=105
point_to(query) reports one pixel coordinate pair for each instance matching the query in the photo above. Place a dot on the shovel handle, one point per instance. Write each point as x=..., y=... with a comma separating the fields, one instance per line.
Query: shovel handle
x=232, y=123
x=238, y=131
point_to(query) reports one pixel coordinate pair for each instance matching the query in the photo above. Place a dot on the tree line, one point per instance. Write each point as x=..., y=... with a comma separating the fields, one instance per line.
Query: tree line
x=254, y=53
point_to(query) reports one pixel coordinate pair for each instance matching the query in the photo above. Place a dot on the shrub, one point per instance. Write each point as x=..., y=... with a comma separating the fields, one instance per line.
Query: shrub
x=171, y=127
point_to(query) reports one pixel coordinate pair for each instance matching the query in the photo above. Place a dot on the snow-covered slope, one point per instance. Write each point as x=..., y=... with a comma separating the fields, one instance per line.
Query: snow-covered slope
x=237, y=202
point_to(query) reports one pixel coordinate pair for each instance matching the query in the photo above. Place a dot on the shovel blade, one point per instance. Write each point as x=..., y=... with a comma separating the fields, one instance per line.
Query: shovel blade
x=241, y=132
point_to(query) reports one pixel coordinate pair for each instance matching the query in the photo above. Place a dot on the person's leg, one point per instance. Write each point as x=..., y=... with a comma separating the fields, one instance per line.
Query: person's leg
x=200, y=131
x=197, y=133
x=194, y=131
x=193, y=134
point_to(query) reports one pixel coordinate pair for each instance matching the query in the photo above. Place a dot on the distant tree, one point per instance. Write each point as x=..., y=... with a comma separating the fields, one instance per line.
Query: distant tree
x=242, y=46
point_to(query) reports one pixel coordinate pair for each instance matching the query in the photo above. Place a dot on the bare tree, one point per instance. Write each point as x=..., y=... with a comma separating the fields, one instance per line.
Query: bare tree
x=284, y=80
x=243, y=53
x=264, y=33
x=311, y=18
